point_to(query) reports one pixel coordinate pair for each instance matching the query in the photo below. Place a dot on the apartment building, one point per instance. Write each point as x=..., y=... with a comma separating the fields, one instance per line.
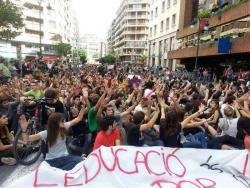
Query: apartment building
x=129, y=30
x=163, y=25
x=47, y=22
x=201, y=46
x=92, y=44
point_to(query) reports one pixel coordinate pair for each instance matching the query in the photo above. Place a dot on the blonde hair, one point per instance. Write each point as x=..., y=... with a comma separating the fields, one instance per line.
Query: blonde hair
x=229, y=111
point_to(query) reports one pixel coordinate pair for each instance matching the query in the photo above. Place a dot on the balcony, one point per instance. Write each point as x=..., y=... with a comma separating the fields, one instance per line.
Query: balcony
x=32, y=19
x=137, y=24
x=239, y=45
x=33, y=26
x=137, y=9
x=142, y=32
x=33, y=13
x=33, y=4
x=137, y=17
x=226, y=17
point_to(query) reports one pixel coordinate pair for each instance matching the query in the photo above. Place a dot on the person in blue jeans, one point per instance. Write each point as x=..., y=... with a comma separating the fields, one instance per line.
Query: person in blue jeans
x=55, y=137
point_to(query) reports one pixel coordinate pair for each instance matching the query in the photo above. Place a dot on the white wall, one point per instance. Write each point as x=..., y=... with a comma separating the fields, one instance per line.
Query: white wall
x=163, y=34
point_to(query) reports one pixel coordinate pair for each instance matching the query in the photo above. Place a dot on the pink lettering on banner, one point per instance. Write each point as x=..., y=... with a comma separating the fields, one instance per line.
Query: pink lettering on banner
x=36, y=184
x=104, y=162
x=181, y=165
x=169, y=164
x=187, y=182
x=245, y=165
x=87, y=178
x=119, y=165
x=147, y=159
x=160, y=183
x=137, y=161
x=67, y=178
x=198, y=183
x=206, y=183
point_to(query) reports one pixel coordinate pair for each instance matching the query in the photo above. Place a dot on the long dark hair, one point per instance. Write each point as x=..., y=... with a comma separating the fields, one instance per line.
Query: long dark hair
x=54, y=129
x=172, y=124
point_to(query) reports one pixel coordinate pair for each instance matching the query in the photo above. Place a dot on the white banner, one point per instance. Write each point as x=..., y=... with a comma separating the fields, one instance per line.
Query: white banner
x=151, y=167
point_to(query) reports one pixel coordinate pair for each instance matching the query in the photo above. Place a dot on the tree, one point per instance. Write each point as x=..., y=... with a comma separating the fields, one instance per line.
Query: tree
x=82, y=54
x=110, y=58
x=63, y=49
x=143, y=58
x=11, y=20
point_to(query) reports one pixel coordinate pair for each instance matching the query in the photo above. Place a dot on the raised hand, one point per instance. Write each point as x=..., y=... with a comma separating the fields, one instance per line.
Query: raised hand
x=23, y=123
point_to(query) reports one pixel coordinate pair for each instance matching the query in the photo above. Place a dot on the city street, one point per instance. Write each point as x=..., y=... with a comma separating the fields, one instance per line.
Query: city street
x=9, y=174
x=125, y=93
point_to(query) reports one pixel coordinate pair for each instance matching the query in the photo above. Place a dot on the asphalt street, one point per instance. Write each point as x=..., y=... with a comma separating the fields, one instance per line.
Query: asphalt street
x=9, y=174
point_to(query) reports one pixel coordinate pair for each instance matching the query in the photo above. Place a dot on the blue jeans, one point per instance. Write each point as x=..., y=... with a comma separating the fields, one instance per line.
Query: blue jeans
x=65, y=163
x=154, y=143
x=197, y=140
x=216, y=143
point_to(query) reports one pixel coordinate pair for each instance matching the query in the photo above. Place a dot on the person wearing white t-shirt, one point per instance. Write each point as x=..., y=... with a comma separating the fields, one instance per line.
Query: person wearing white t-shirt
x=55, y=137
x=228, y=124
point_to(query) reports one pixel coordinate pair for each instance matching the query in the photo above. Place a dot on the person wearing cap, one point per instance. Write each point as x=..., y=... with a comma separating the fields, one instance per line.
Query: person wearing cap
x=51, y=105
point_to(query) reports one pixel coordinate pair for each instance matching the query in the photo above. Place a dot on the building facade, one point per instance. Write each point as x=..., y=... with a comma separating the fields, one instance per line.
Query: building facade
x=92, y=44
x=200, y=45
x=129, y=31
x=47, y=23
x=163, y=25
x=103, y=49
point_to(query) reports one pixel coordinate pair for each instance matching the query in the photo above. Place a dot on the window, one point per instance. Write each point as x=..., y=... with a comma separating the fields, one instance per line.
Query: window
x=167, y=24
x=174, y=2
x=156, y=11
x=174, y=20
x=166, y=45
x=172, y=43
x=163, y=7
x=152, y=15
x=160, y=47
x=155, y=29
x=151, y=31
x=162, y=25
x=169, y=3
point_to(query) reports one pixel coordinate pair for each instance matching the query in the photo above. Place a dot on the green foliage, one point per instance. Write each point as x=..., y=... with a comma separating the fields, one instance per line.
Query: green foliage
x=229, y=7
x=204, y=14
x=110, y=58
x=143, y=58
x=63, y=49
x=82, y=54
x=11, y=20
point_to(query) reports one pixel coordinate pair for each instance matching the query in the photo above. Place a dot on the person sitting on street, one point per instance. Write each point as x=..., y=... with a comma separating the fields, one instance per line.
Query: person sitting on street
x=109, y=134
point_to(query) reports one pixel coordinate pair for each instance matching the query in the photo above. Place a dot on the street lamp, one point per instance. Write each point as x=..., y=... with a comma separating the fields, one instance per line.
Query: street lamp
x=201, y=29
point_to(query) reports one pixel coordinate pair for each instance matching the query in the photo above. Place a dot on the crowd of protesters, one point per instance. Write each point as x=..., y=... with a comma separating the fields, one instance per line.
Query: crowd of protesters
x=97, y=106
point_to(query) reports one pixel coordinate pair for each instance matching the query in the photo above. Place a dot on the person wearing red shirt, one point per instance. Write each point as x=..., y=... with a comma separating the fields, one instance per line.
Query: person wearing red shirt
x=109, y=134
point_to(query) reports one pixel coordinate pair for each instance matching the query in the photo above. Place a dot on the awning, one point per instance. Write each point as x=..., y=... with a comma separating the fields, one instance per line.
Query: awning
x=50, y=58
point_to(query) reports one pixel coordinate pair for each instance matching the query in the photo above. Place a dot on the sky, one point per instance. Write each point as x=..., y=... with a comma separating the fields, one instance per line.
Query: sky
x=95, y=16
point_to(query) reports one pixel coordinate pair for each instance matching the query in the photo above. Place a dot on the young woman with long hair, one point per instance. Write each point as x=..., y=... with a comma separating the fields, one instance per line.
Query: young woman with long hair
x=55, y=137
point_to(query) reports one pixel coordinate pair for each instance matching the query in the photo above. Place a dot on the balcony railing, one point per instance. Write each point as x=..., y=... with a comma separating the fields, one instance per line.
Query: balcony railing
x=136, y=32
x=34, y=26
x=137, y=17
x=137, y=9
x=137, y=24
x=33, y=13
